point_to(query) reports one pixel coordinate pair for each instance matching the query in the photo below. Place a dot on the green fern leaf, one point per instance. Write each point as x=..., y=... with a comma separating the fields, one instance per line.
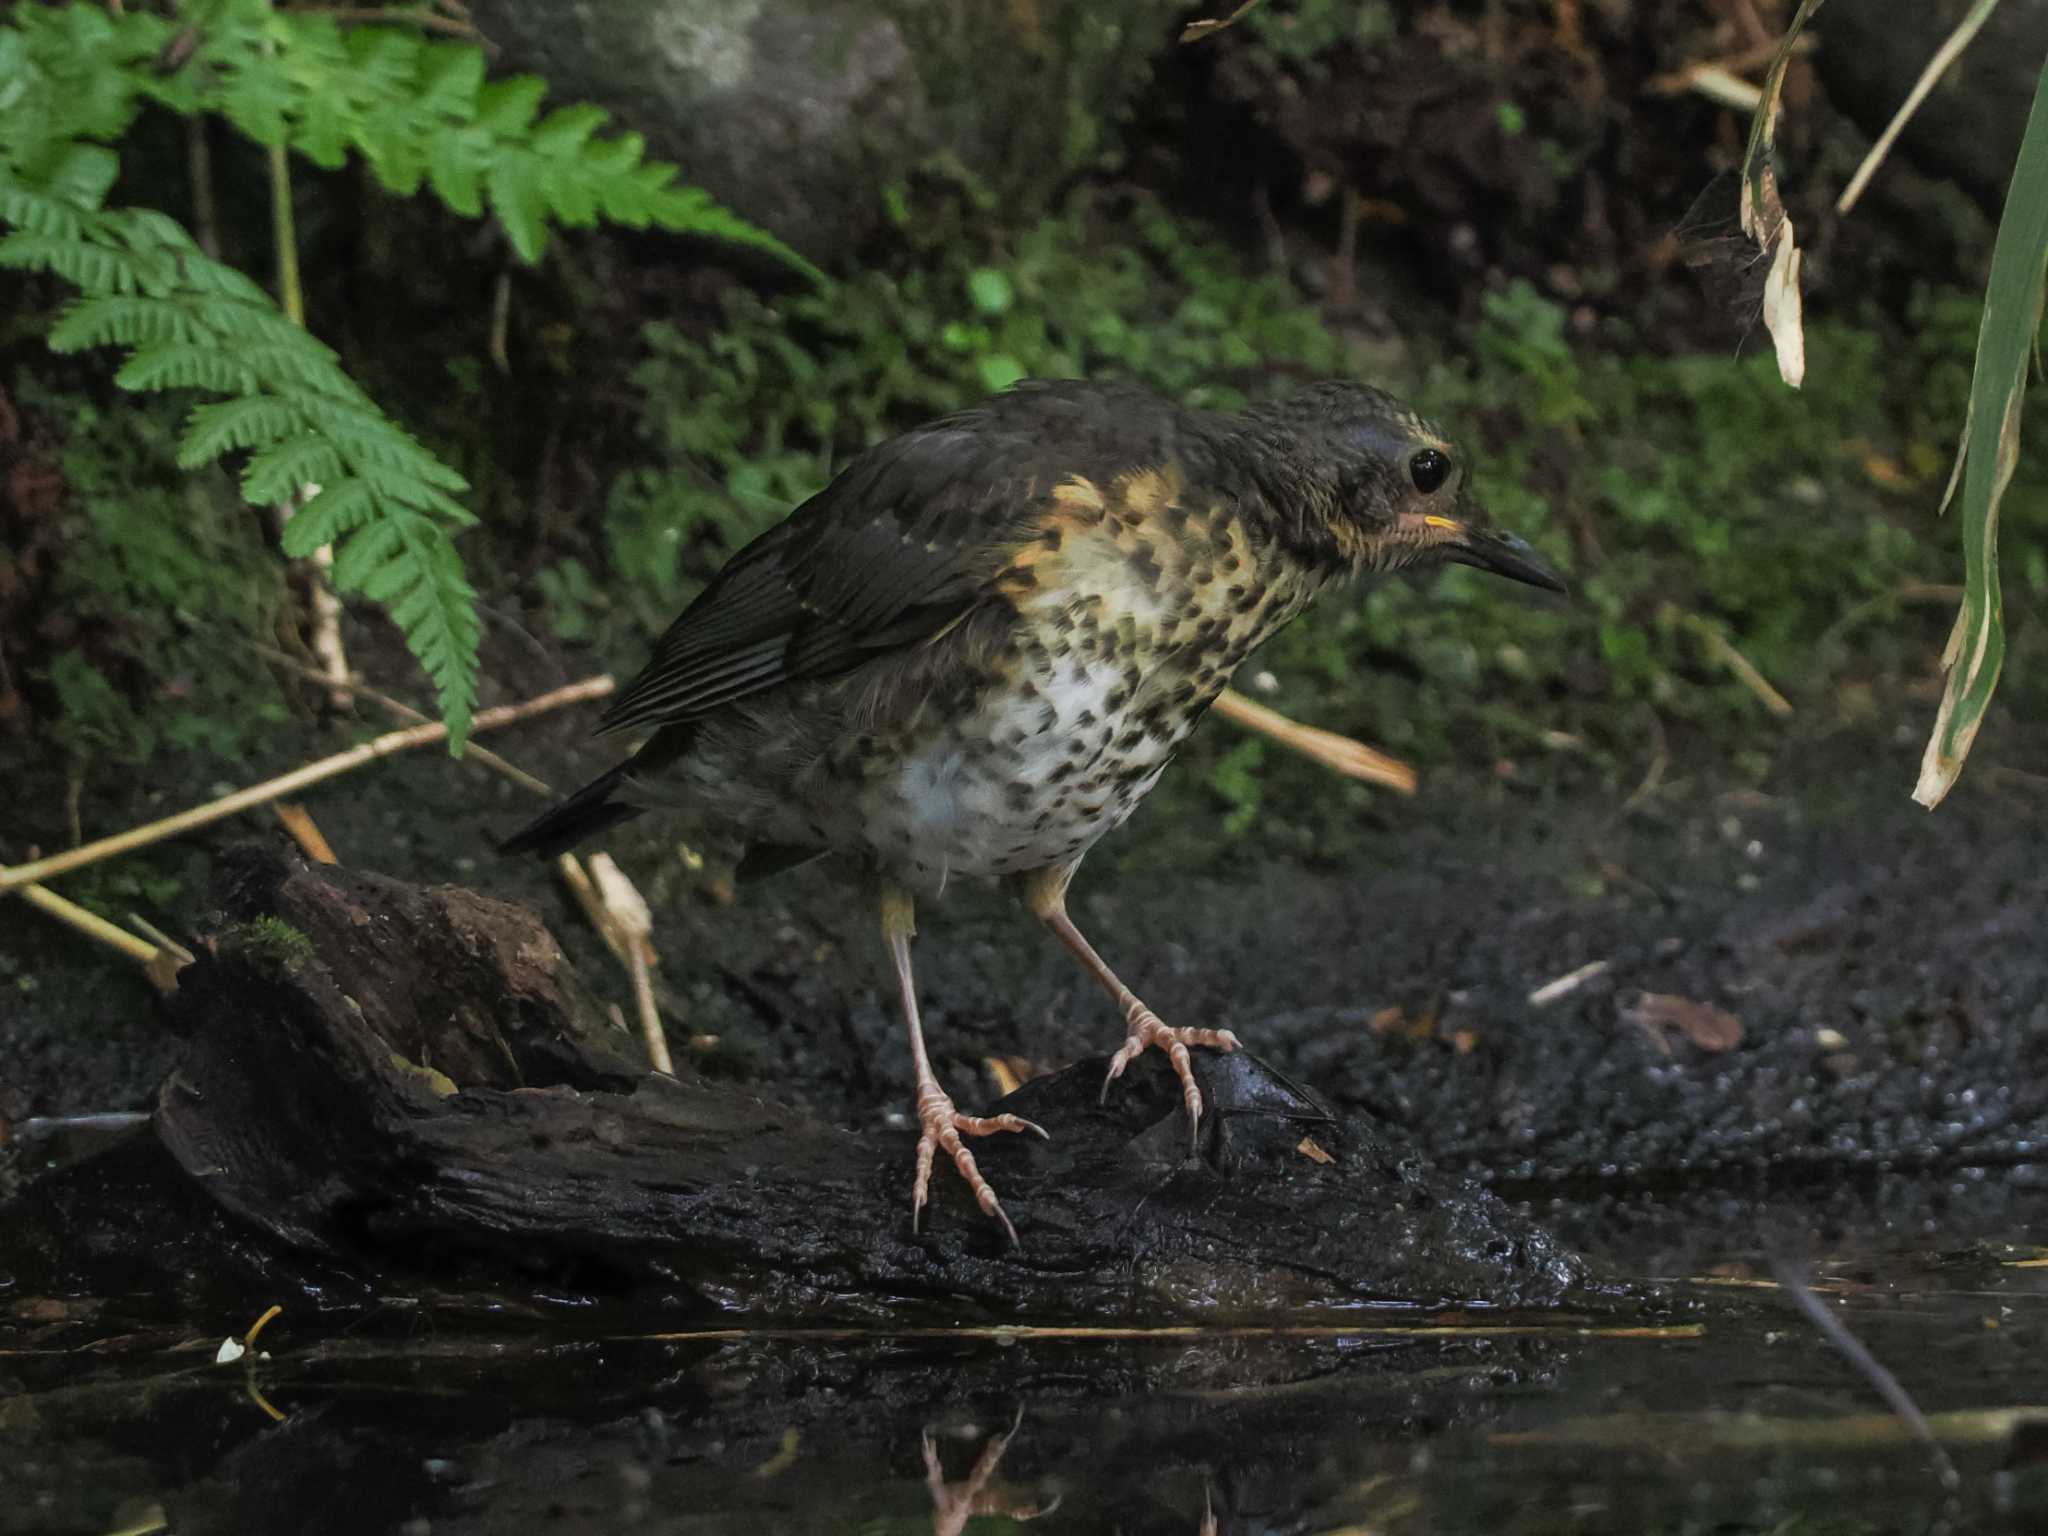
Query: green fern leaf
x=410, y=565
x=130, y=320
x=410, y=491
x=450, y=80
x=521, y=203
x=337, y=511
x=570, y=193
x=81, y=174
x=91, y=267
x=285, y=468
x=364, y=561
x=330, y=517
x=505, y=107
x=369, y=439
x=213, y=430
x=563, y=133
x=185, y=365
x=37, y=212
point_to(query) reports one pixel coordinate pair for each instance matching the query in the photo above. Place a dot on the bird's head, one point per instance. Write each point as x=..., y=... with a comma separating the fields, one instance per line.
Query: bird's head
x=1361, y=483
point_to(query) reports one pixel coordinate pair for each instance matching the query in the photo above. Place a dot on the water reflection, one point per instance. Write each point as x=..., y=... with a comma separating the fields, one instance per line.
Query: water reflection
x=1727, y=1416
x=954, y=1504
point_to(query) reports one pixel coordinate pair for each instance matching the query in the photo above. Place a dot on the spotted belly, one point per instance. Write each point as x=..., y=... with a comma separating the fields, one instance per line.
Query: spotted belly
x=1030, y=778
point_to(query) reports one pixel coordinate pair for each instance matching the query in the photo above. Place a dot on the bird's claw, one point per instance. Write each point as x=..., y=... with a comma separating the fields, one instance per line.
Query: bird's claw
x=1146, y=1031
x=944, y=1126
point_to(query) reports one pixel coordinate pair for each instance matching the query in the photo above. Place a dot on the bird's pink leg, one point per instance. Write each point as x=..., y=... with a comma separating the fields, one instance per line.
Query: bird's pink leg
x=1143, y=1027
x=943, y=1126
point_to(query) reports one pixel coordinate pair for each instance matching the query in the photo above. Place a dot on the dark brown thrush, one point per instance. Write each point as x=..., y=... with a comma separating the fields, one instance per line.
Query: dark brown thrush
x=977, y=649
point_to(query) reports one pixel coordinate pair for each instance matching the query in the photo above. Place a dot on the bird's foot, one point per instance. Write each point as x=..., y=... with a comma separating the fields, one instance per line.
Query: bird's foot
x=1146, y=1031
x=943, y=1127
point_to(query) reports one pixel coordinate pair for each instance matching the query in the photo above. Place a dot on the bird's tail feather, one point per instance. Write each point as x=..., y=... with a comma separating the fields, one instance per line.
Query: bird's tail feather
x=577, y=819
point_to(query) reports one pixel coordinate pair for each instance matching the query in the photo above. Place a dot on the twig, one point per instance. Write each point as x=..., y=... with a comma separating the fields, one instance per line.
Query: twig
x=1723, y=650
x=106, y=1120
x=626, y=910
x=347, y=14
x=305, y=832
x=1937, y=66
x=584, y=889
x=501, y=321
x=404, y=711
x=1339, y=753
x=1567, y=984
x=1871, y=1367
x=199, y=167
x=159, y=938
x=313, y=773
x=1660, y=758
x=1195, y=31
x=160, y=965
x=326, y=606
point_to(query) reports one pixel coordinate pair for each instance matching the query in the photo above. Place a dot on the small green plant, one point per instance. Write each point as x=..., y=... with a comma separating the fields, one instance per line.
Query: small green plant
x=1989, y=449
x=1718, y=526
x=744, y=423
x=74, y=77
x=165, y=578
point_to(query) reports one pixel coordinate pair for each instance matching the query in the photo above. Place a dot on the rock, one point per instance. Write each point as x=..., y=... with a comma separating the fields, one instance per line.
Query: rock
x=800, y=115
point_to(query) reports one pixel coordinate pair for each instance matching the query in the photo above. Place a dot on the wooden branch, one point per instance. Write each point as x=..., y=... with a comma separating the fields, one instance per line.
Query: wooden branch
x=271, y=789
x=388, y=1080
x=1338, y=753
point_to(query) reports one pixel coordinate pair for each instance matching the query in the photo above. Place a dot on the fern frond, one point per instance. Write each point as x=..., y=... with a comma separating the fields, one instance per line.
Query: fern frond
x=73, y=78
x=417, y=112
x=408, y=563
x=39, y=213
x=186, y=365
x=129, y=320
x=252, y=422
x=91, y=267
x=282, y=469
x=189, y=323
x=342, y=507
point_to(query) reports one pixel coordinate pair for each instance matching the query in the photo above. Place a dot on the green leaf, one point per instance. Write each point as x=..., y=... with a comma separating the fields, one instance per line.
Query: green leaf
x=506, y=107
x=521, y=205
x=998, y=371
x=388, y=503
x=566, y=130
x=185, y=365
x=82, y=174
x=213, y=430
x=128, y=319
x=990, y=290
x=283, y=469
x=337, y=510
x=91, y=267
x=1989, y=453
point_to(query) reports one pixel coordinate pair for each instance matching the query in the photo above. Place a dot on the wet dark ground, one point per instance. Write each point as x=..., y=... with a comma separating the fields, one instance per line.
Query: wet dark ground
x=1880, y=1115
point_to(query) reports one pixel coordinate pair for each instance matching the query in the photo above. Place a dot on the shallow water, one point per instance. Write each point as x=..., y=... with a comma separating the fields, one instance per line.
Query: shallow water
x=1716, y=1408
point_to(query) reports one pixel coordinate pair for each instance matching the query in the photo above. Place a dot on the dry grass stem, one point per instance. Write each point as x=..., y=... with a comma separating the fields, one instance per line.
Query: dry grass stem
x=271, y=789
x=1341, y=754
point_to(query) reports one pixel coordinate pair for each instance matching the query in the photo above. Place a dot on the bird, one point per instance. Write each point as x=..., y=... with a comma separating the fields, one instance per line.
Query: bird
x=975, y=651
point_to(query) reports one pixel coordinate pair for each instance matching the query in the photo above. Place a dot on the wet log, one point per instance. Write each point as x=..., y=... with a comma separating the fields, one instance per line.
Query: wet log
x=388, y=1083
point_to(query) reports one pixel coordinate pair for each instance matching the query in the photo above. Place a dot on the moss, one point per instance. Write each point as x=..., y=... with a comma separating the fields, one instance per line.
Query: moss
x=269, y=943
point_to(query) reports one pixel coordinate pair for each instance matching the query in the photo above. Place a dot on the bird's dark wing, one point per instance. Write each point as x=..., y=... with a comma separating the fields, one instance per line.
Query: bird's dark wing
x=901, y=545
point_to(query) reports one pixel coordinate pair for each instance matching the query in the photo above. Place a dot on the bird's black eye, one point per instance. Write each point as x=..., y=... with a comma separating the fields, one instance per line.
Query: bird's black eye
x=1429, y=469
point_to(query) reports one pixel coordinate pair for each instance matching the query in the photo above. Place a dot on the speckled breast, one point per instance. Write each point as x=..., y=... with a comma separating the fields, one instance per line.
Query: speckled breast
x=1133, y=612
